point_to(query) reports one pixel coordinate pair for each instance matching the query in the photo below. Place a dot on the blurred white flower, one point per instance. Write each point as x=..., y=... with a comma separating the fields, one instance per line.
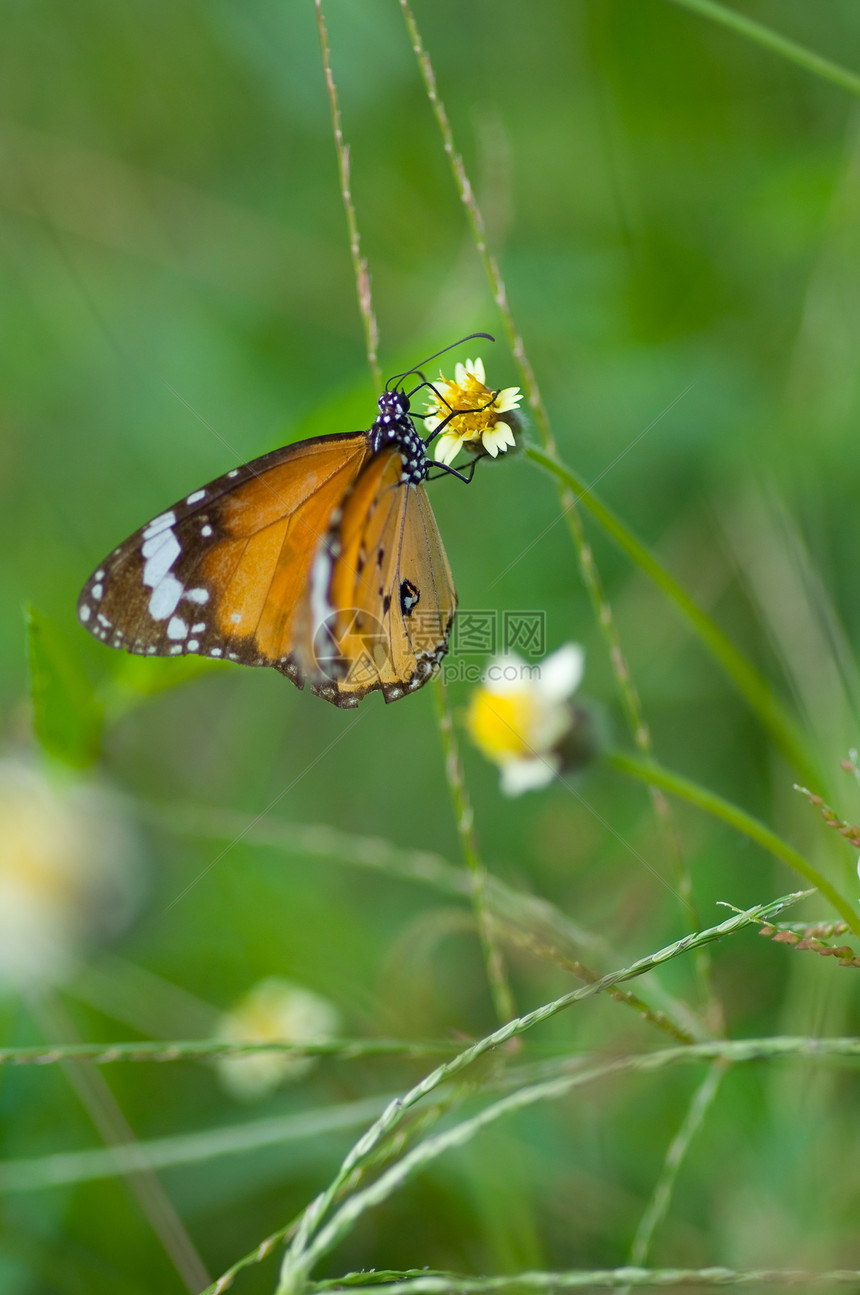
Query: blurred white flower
x=69, y=871
x=522, y=719
x=274, y=1010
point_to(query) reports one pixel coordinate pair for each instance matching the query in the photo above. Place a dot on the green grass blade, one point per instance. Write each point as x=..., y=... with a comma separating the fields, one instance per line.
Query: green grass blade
x=748, y=681
x=773, y=41
x=709, y=801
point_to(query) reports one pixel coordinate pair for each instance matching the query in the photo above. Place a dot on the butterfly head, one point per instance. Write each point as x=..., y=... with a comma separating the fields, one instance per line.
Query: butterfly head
x=393, y=425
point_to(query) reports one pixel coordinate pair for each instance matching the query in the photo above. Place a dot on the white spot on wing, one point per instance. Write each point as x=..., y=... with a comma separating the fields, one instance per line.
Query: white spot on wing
x=321, y=608
x=160, y=549
x=198, y=629
x=196, y=497
x=99, y=575
x=159, y=524
x=197, y=595
x=164, y=598
x=206, y=531
x=214, y=651
x=177, y=628
x=236, y=618
x=85, y=614
x=193, y=645
x=159, y=554
x=97, y=591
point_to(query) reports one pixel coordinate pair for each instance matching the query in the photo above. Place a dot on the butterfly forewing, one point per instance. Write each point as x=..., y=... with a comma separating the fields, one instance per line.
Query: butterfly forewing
x=220, y=573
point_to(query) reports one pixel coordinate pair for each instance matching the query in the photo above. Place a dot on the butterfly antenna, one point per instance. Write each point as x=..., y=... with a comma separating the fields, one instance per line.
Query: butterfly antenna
x=416, y=368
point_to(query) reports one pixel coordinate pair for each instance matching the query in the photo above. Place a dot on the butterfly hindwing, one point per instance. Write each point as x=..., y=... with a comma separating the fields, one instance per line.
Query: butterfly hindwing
x=221, y=572
x=383, y=590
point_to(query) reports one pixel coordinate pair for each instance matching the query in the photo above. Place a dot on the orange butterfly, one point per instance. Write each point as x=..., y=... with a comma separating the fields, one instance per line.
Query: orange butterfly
x=322, y=559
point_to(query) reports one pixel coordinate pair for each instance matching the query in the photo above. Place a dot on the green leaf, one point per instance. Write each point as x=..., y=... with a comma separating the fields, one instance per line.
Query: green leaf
x=67, y=717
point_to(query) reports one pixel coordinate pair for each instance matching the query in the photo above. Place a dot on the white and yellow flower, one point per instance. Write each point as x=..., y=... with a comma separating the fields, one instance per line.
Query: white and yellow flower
x=482, y=425
x=275, y=1010
x=521, y=717
x=70, y=871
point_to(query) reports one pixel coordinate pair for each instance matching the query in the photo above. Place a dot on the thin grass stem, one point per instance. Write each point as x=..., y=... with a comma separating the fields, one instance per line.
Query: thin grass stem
x=773, y=41
x=465, y=820
x=105, y=1054
x=359, y=264
x=106, y=1115
x=479, y=232
x=658, y=1206
x=65, y=1168
x=420, y=1282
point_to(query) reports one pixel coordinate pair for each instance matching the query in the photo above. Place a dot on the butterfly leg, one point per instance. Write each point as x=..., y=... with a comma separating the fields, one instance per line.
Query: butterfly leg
x=445, y=469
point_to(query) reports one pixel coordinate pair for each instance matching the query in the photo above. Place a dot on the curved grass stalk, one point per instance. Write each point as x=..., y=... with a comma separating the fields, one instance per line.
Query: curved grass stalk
x=738, y=818
x=294, y=1275
x=423, y=1283
x=749, y=682
x=295, y=1268
x=772, y=40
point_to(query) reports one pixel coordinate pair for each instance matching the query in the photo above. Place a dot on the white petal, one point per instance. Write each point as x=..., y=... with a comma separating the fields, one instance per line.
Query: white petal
x=432, y=421
x=549, y=726
x=507, y=673
x=477, y=367
x=447, y=448
x=561, y=673
x=497, y=439
x=528, y=775
x=461, y=374
x=508, y=398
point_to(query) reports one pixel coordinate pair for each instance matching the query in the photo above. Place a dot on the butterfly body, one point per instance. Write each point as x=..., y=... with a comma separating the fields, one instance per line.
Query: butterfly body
x=321, y=559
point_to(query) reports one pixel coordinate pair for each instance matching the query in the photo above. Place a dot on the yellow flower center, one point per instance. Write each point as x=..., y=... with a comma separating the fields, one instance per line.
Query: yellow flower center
x=470, y=395
x=501, y=726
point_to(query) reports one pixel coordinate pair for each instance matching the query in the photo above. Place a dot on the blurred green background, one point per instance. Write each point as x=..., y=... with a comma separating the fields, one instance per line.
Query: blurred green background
x=676, y=214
